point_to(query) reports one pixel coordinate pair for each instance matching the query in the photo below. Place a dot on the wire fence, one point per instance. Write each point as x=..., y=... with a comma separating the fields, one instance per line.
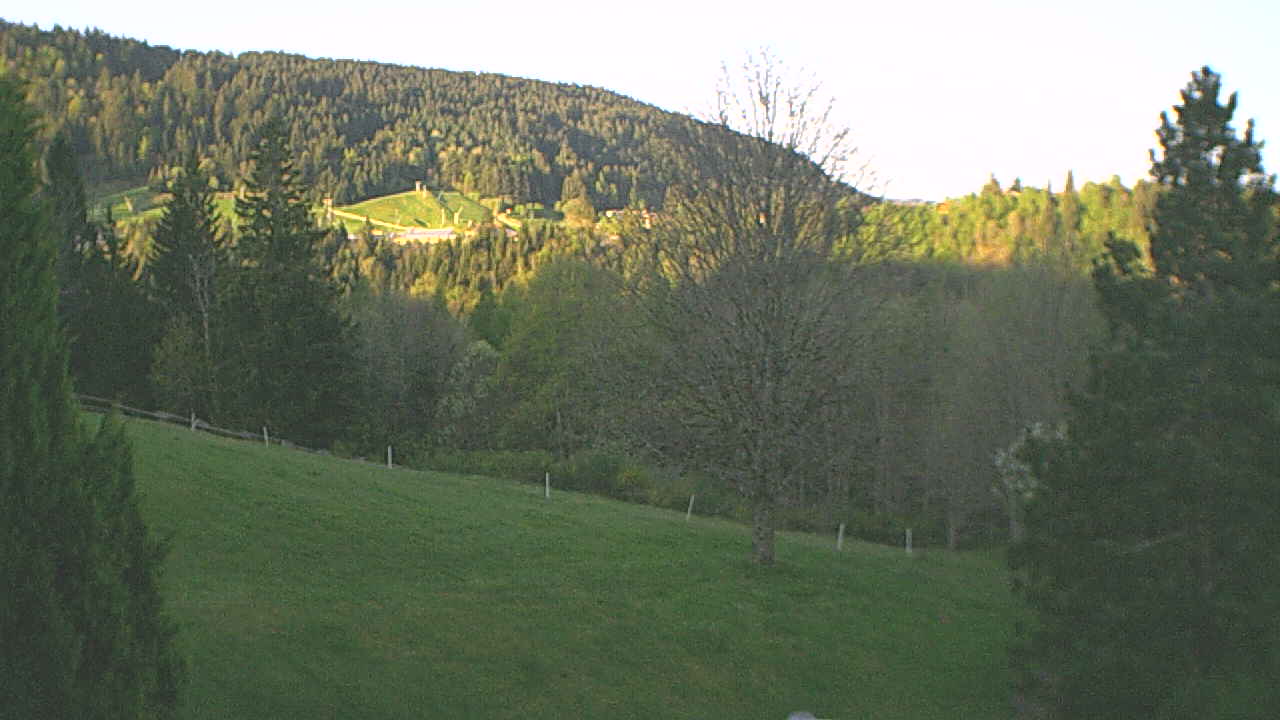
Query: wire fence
x=195, y=424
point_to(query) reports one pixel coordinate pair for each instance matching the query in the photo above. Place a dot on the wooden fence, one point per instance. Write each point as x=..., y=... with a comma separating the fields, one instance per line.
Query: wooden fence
x=102, y=405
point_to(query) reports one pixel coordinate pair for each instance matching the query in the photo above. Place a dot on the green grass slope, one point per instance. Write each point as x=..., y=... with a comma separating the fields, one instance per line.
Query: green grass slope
x=311, y=587
x=135, y=204
x=418, y=210
x=128, y=205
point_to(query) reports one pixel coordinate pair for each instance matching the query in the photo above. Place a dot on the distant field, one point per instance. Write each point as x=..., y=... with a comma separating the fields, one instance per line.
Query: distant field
x=418, y=210
x=127, y=205
x=141, y=203
x=311, y=587
x=407, y=208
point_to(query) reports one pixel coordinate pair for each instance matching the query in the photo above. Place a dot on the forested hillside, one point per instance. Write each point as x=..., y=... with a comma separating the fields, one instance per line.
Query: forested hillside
x=132, y=112
x=499, y=349
x=359, y=128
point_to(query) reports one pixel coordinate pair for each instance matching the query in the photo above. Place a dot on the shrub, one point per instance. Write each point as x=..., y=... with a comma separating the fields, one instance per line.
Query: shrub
x=521, y=465
x=589, y=471
x=887, y=528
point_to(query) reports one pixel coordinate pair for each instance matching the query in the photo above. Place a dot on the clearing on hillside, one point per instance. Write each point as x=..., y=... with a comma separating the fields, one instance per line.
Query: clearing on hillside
x=420, y=209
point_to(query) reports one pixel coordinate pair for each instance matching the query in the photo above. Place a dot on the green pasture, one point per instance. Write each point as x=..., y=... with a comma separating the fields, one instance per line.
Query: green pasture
x=408, y=208
x=418, y=210
x=141, y=203
x=308, y=586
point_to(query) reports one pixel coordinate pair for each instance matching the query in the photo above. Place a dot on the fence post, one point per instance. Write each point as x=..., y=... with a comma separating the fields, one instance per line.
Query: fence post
x=193, y=421
x=388, y=456
x=547, y=486
x=266, y=439
x=908, y=541
x=840, y=538
x=689, y=513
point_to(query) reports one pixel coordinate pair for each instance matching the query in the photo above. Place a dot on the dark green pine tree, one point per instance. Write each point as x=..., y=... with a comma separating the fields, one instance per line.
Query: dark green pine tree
x=105, y=310
x=1210, y=232
x=70, y=218
x=188, y=246
x=1069, y=244
x=82, y=629
x=184, y=275
x=288, y=347
x=1150, y=555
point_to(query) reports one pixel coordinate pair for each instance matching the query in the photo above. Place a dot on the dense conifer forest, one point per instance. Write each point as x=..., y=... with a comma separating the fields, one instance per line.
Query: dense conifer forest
x=359, y=128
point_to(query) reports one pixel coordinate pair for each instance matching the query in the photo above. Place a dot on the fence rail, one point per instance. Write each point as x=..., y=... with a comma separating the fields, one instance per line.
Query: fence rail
x=103, y=405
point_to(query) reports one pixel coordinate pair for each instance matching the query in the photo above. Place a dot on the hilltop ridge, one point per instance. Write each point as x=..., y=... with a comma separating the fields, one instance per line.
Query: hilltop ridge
x=360, y=128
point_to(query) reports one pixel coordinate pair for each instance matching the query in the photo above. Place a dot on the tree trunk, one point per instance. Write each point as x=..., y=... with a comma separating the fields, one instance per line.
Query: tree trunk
x=762, y=532
x=1016, y=531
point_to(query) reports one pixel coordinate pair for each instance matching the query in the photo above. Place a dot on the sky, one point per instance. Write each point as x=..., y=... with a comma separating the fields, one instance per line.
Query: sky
x=938, y=96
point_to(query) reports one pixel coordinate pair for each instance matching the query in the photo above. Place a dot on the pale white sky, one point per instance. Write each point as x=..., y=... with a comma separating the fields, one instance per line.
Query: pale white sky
x=939, y=95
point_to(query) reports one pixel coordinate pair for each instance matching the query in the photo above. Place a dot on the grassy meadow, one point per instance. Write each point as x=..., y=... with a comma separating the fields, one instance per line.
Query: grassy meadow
x=136, y=204
x=313, y=587
x=410, y=208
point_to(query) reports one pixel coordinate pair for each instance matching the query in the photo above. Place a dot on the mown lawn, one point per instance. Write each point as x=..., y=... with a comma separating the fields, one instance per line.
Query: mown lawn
x=312, y=587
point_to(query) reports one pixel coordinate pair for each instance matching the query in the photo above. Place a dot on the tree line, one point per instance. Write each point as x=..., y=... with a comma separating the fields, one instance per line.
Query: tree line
x=487, y=346
x=461, y=351
x=968, y=293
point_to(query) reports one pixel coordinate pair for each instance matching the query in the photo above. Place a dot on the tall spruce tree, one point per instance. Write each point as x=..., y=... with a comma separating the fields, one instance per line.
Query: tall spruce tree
x=184, y=275
x=187, y=245
x=288, y=347
x=1150, y=554
x=104, y=309
x=82, y=631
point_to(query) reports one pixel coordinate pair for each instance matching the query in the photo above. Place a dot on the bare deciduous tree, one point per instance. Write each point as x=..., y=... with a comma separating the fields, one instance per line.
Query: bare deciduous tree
x=755, y=321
